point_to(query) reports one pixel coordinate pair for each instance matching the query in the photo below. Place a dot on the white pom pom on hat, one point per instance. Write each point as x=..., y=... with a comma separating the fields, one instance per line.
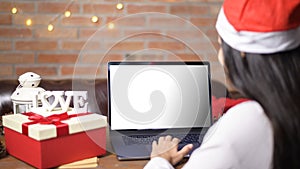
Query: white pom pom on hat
x=260, y=26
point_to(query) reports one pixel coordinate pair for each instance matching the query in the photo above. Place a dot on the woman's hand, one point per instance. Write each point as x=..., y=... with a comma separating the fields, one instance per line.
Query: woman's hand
x=167, y=149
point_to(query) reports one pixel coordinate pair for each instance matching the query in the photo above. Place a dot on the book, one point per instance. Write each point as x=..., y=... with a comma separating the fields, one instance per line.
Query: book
x=86, y=163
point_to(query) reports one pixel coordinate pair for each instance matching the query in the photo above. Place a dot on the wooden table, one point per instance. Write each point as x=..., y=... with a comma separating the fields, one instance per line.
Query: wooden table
x=109, y=161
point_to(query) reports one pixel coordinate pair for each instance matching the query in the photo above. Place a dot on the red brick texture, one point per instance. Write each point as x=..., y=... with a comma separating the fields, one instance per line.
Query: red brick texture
x=143, y=30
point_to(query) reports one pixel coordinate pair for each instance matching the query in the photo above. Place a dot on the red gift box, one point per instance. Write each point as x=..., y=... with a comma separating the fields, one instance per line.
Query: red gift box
x=43, y=147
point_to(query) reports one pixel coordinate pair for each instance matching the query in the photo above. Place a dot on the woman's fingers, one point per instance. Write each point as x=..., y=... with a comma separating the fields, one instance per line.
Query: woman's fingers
x=185, y=150
x=154, y=143
x=166, y=147
x=161, y=139
x=168, y=138
x=180, y=154
x=175, y=140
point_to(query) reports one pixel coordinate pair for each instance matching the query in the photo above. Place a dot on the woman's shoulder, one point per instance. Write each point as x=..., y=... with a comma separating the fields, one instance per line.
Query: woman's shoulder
x=247, y=106
x=245, y=124
x=247, y=116
x=241, y=121
x=248, y=111
x=246, y=131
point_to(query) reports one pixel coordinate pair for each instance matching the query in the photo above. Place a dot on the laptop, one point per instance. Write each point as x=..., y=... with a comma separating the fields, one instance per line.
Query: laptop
x=152, y=99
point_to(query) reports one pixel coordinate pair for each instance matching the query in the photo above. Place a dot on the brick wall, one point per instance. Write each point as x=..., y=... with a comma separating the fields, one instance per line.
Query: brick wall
x=78, y=47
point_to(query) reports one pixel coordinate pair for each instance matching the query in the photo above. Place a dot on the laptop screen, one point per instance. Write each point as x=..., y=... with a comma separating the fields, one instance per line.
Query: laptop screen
x=159, y=95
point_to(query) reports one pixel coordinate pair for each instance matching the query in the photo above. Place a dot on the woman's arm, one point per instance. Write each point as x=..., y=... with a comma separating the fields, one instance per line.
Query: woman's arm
x=242, y=138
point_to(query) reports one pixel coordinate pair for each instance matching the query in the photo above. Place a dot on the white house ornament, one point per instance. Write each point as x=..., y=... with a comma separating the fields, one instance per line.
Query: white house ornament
x=26, y=92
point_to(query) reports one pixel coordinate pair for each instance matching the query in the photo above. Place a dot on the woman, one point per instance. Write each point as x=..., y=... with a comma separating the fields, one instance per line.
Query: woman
x=260, y=50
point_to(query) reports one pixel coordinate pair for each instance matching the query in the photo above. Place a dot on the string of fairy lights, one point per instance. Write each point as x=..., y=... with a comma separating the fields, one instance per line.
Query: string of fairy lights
x=67, y=13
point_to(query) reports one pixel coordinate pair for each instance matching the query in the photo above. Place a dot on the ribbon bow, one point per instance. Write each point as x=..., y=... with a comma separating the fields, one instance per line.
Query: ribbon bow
x=53, y=119
x=62, y=129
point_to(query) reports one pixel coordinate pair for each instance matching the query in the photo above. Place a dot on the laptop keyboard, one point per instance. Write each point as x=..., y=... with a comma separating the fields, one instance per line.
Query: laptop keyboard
x=142, y=139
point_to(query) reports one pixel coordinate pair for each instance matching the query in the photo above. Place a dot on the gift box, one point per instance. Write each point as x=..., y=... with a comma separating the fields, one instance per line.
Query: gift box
x=47, y=142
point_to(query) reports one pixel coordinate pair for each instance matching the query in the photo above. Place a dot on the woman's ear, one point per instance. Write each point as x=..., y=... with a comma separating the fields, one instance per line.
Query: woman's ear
x=221, y=56
x=220, y=52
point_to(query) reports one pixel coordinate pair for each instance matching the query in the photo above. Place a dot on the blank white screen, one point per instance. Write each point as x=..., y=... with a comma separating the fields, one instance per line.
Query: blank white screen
x=159, y=96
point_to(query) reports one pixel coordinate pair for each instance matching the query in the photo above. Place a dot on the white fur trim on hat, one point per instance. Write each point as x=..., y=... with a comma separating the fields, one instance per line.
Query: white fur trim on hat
x=257, y=42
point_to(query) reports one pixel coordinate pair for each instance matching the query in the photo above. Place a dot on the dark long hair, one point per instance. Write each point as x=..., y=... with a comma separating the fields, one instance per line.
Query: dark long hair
x=273, y=80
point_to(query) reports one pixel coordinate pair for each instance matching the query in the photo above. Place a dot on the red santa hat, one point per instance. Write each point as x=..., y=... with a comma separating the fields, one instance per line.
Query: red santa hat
x=260, y=26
